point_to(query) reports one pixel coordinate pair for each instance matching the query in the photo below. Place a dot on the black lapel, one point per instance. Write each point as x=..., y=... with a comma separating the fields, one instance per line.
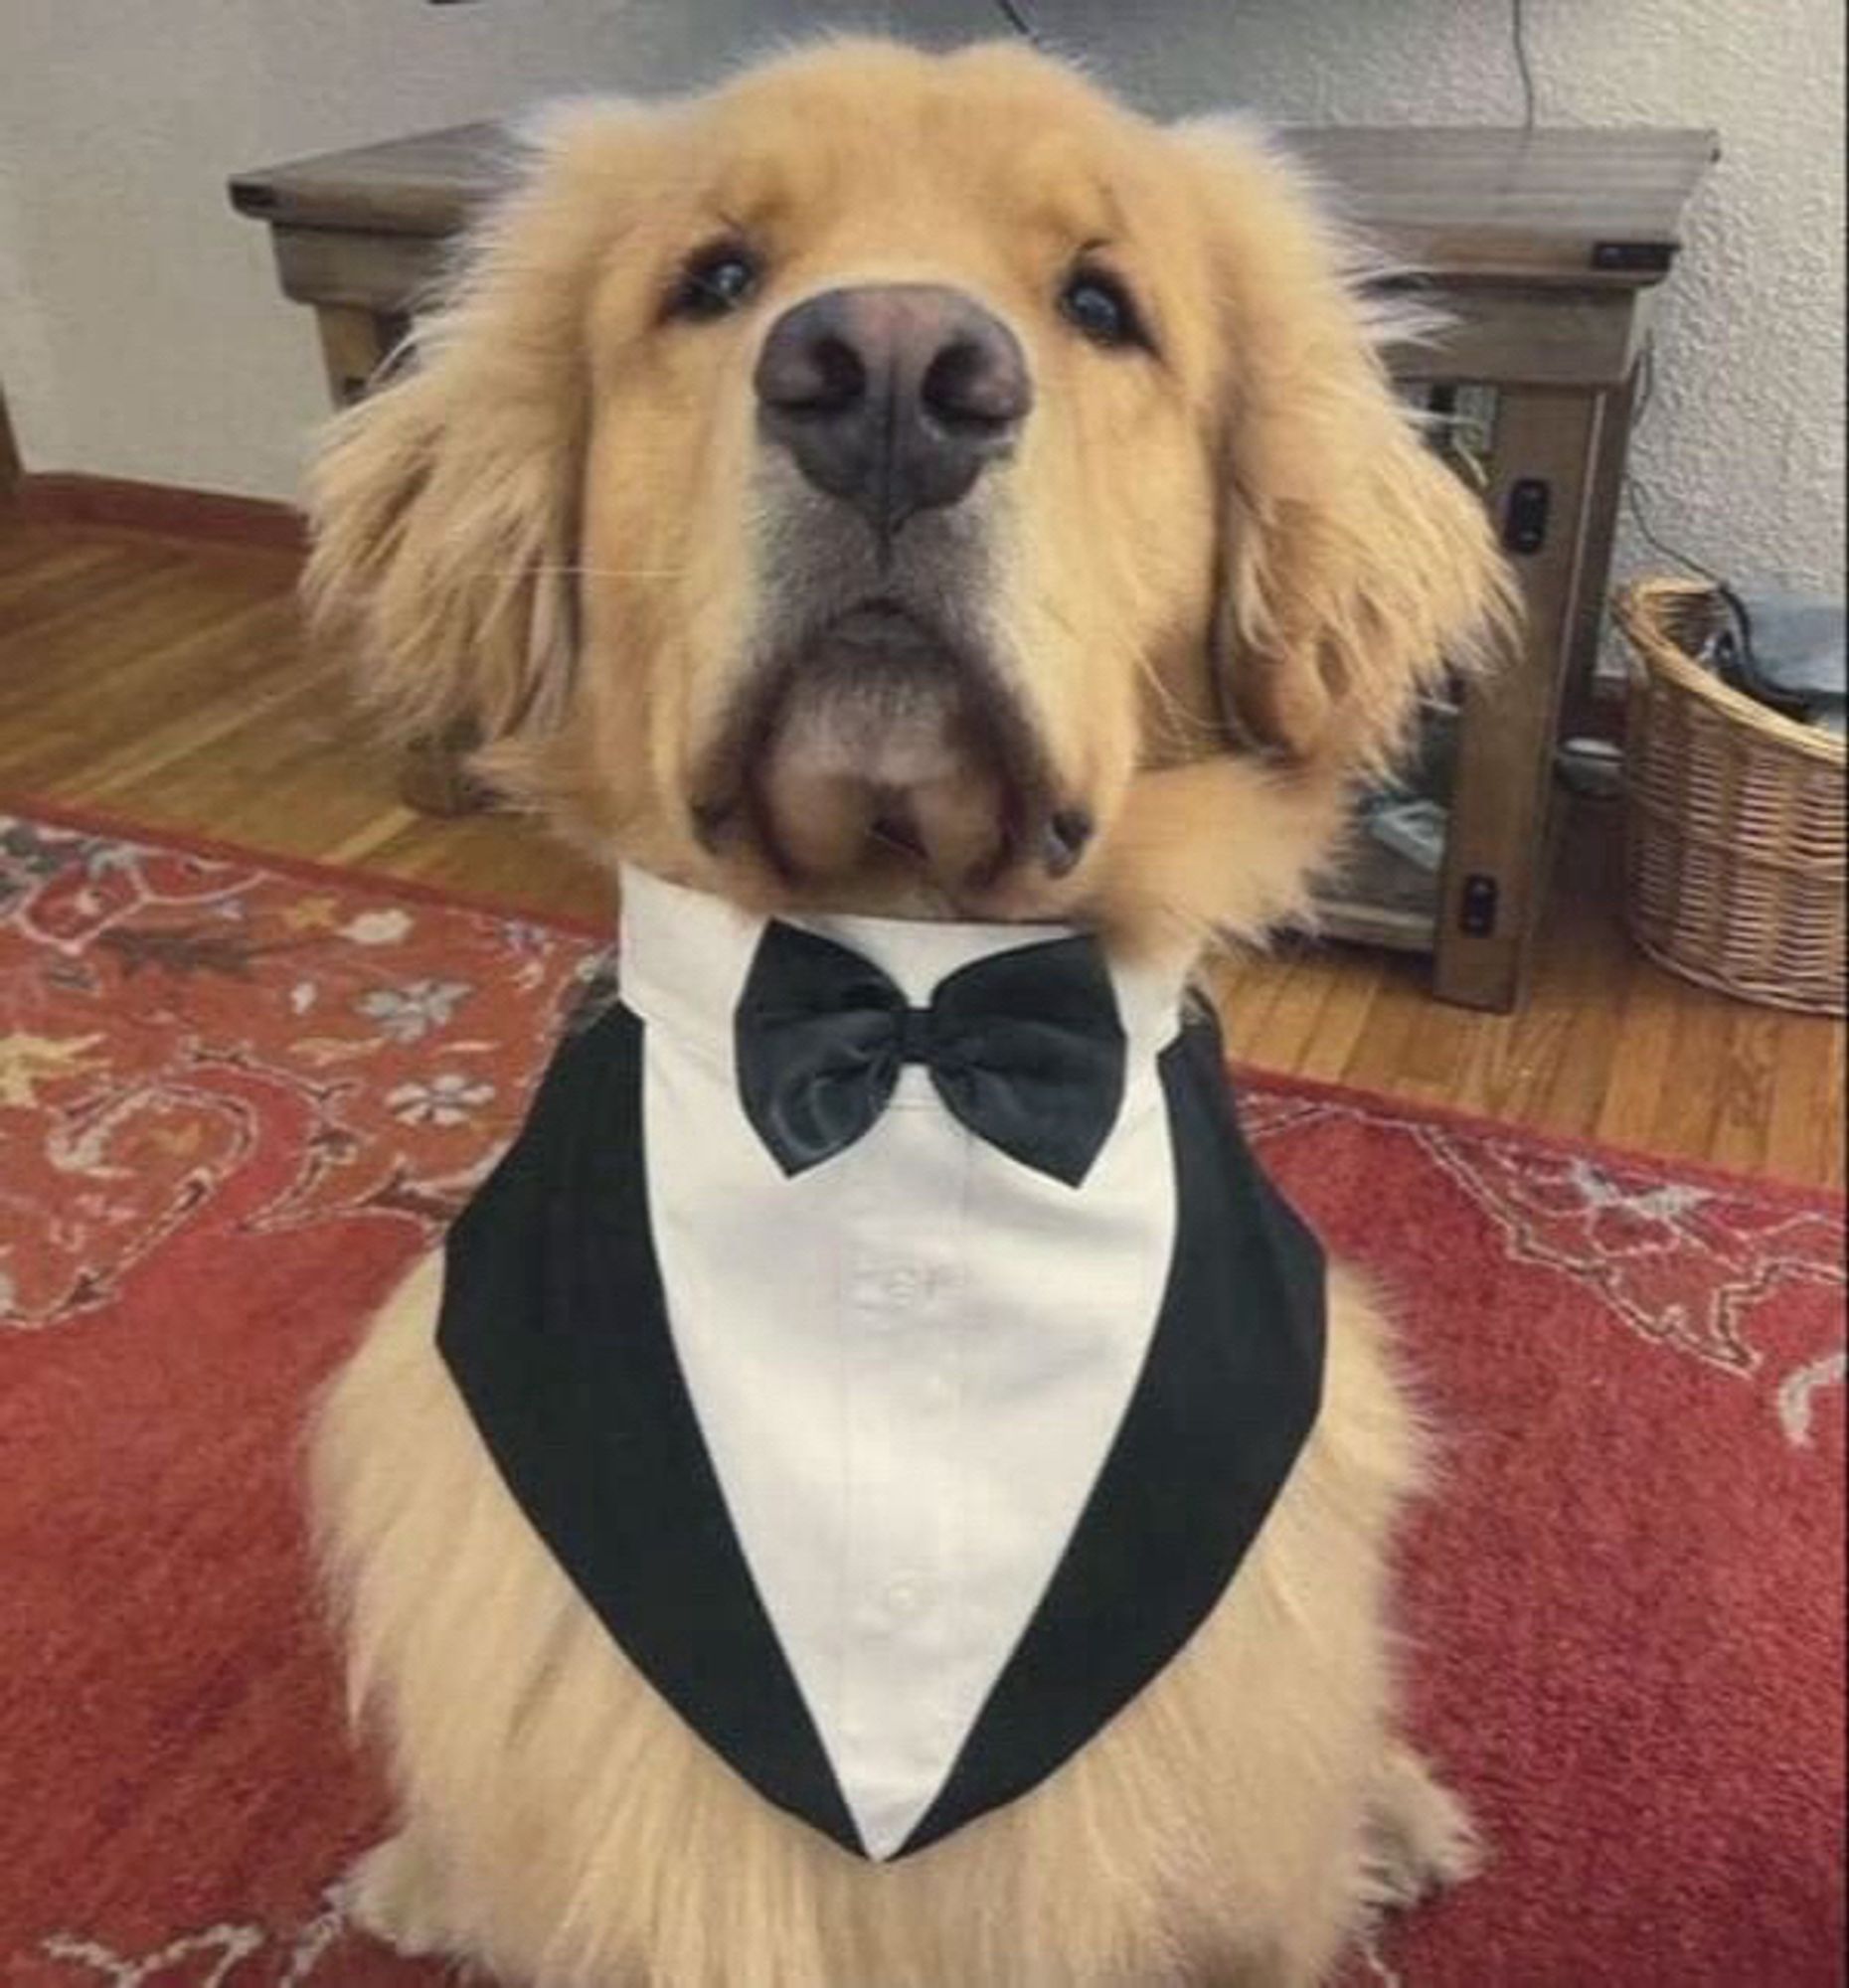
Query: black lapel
x=1227, y=1397
x=555, y=1329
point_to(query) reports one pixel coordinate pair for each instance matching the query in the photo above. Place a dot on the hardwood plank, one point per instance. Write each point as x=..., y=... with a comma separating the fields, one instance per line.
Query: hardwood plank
x=1244, y=991
x=1297, y=1010
x=1829, y=1118
x=1351, y=984
x=1583, y=977
x=94, y=624
x=1397, y=1051
x=170, y=685
x=202, y=725
x=1805, y=1132
x=1688, y=1109
x=141, y=665
x=29, y=590
x=504, y=857
x=1743, y=1084
x=1640, y=1073
x=1511, y=1059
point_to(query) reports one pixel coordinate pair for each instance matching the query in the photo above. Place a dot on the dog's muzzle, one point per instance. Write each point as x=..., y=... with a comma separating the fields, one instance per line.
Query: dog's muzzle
x=879, y=743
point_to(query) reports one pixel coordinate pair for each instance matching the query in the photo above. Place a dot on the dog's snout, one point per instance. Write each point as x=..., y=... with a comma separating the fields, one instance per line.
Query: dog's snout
x=893, y=397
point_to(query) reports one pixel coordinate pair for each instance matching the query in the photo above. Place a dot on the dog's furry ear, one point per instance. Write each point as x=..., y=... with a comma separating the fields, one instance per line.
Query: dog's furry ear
x=1355, y=563
x=443, y=505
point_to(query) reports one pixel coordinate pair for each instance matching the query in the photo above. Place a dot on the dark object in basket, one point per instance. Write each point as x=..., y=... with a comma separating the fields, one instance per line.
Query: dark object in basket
x=1789, y=651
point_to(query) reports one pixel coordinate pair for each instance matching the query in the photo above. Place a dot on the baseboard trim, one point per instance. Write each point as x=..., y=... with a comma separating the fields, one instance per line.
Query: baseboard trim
x=66, y=497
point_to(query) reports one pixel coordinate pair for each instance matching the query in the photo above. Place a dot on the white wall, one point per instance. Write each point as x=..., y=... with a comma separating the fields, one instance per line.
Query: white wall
x=142, y=333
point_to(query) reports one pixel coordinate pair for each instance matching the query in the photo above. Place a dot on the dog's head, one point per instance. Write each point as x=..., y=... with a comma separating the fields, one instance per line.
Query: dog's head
x=907, y=482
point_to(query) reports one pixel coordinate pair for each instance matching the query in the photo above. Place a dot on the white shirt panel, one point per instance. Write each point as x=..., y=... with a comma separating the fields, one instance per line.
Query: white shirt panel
x=907, y=1363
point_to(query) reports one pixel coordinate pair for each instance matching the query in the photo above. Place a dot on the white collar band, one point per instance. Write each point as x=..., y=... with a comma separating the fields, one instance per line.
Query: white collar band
x=683, y=955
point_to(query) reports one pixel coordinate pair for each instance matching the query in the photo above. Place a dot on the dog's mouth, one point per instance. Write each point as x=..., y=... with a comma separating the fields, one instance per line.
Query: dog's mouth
x=882, y=751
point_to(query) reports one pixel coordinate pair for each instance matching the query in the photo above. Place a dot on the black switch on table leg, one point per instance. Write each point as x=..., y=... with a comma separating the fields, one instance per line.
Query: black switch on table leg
x=1477, y=914
x=1524, y=520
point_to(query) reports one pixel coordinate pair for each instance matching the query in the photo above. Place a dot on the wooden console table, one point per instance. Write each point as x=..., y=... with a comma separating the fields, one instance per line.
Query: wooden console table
x=1544, y=247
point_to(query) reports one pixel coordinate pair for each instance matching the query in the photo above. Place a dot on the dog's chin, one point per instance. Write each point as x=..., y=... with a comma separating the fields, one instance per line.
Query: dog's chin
x=877, y=764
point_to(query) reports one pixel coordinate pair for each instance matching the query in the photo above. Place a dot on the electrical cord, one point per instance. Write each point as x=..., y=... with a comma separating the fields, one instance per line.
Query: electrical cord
x=1018, y=19
x=1741, y=667
x=1518, y=35
x=1633, y=500
x=1634, y=503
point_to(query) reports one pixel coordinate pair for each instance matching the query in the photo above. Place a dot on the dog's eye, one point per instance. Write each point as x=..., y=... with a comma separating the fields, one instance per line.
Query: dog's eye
x=717, y=279
x=1101, y=310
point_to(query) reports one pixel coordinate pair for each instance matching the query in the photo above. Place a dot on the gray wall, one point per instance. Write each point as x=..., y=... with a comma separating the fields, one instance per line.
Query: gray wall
x=142, y=333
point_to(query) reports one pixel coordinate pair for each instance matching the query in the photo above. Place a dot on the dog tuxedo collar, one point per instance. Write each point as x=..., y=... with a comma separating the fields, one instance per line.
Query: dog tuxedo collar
x=887, y=1329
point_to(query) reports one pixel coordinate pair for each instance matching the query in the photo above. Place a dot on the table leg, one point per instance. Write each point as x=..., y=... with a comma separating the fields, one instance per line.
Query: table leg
x=1495, y=859
x=1604, y=501
x=355, y=346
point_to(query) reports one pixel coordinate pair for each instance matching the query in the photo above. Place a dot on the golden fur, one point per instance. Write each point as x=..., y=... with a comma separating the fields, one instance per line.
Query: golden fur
x=1214, y=578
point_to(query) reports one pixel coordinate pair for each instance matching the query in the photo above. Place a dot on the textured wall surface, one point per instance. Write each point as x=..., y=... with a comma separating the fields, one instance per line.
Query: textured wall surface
x=142, y=333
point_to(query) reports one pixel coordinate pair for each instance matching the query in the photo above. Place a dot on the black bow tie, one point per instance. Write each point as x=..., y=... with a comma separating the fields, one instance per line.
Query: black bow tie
x=1024, y=1048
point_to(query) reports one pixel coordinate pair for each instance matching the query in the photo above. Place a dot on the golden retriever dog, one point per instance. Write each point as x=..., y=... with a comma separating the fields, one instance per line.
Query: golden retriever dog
x=1097, y=616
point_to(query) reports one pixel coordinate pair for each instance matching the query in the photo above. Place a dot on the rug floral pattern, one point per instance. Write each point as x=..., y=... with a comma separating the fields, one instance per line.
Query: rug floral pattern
x=156, y=1008
x=1693, y=1264
x=220, y=1072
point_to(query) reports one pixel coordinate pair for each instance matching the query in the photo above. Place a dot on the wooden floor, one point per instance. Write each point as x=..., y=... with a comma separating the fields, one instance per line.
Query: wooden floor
x=165, y=683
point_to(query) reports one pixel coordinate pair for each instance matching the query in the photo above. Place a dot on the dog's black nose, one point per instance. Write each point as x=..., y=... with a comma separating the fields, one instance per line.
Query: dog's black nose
x=893, y=397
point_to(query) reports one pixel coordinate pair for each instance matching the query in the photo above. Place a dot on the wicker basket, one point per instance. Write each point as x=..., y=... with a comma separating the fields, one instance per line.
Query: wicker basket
x=1734, y=818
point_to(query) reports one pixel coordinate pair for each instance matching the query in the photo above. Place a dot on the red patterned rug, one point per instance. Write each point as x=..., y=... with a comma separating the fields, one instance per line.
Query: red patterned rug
x=235, y=1097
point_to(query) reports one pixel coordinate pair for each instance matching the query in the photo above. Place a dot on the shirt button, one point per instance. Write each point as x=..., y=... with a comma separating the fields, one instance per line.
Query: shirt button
x=902, y=1286
x=904, y=1596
